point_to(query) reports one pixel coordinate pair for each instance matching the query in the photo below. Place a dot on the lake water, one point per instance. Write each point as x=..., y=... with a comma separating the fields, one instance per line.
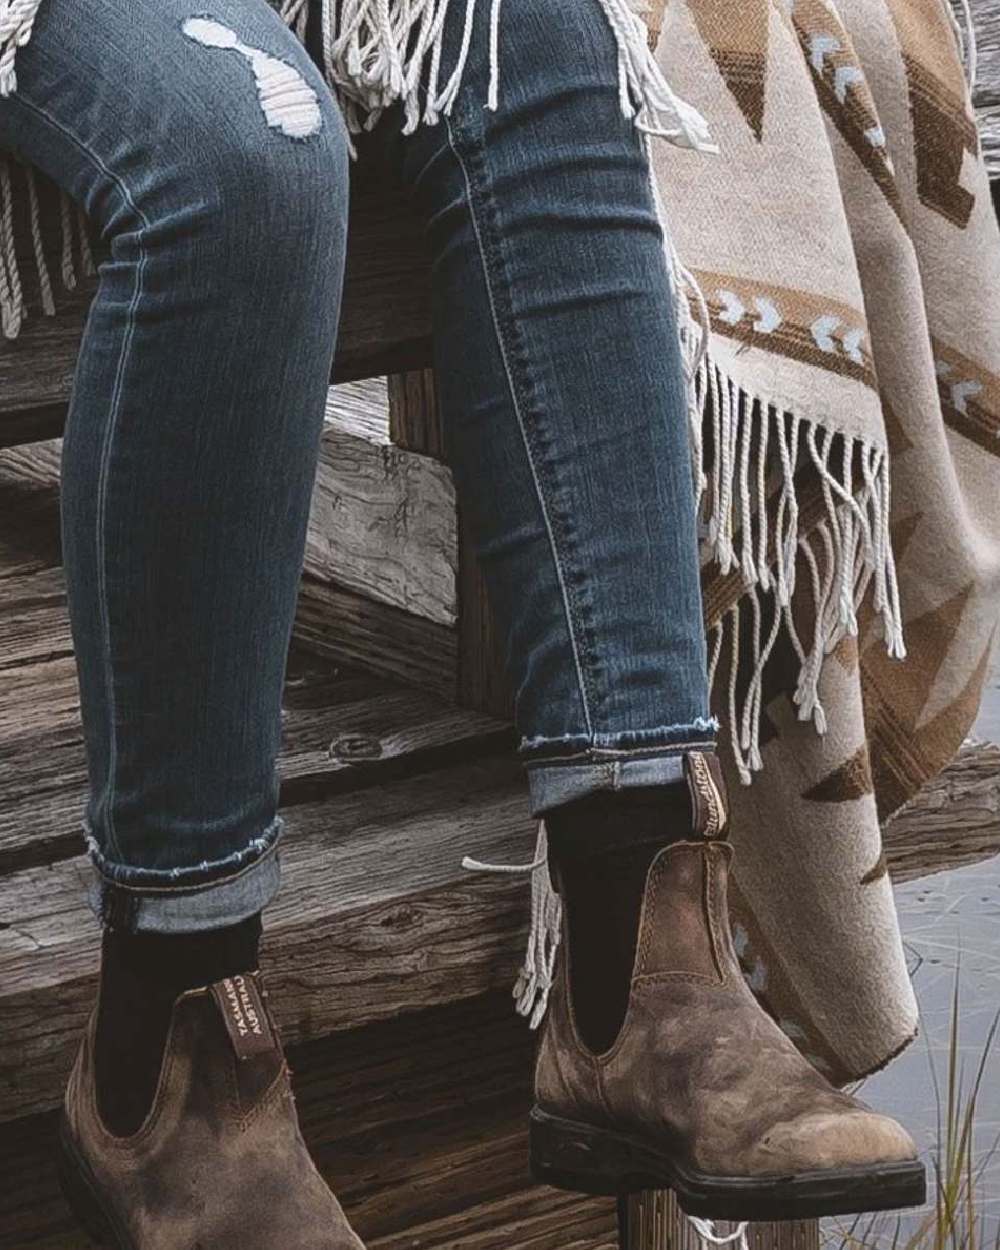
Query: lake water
x=951, y=926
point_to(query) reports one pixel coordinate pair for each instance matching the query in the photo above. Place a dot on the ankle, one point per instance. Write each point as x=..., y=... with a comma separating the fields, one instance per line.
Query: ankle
x=142, y=975
x=610, y=823
x=601, y=848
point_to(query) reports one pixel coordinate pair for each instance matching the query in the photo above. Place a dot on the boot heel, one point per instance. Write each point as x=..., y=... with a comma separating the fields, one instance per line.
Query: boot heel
x=80, y=1198
x=578, y=1157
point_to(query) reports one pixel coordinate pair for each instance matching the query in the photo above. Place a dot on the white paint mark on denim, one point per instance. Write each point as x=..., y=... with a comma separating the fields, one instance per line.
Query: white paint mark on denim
x=288, y=102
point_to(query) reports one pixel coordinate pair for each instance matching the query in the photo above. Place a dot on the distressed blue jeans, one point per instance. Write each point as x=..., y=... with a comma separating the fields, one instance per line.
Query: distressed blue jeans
x=192, y=440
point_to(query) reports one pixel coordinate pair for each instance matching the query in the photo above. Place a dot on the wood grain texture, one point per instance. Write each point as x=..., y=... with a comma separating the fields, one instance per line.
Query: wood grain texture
x=376, y=917
x=954, y=820
x=383, y=520
x=333, y=620
x=987, y=93
x=655, y=1222
x=414, y=416
x=350, y=628
x=419, y=1124
x=415, y=423
x=341, y=730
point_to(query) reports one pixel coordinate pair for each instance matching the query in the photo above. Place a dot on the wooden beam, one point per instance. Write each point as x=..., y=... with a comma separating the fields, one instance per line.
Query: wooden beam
x=953, y=821
x=382, y=520
x=654, y=1222
x=414, y=417
x=987, y=93
x=415, y=423
x=377, y=918
x=349, y=628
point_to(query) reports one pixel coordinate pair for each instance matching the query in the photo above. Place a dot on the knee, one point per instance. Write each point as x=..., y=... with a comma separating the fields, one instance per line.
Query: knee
x=252, y=161
x=263, y=188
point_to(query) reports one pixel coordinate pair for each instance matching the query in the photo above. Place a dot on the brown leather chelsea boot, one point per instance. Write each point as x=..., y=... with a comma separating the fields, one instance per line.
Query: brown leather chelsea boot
x=691, y=1085
x=219, y=1163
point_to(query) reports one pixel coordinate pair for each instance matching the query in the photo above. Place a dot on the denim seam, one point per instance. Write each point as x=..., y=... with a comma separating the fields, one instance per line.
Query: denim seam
x=264, y=845
x=623, y=738
x=669, y=750
x=502, y=344
x=107, y=445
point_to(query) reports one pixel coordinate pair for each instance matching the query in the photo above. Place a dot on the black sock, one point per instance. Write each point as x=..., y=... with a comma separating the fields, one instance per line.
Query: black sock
x=142, y=975
x=600, y=850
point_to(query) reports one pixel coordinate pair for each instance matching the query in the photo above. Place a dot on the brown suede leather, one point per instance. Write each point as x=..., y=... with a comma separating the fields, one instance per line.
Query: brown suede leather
x=698, y=1069
x=220, y=1163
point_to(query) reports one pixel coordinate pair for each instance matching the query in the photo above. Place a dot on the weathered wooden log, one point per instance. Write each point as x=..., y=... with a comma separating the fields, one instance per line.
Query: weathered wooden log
x=987, y=91
x=954, y=820
x=415, y=423
x=380, y=582
x=376, y=918
x=350, y=628
x=653, y=1221
x=382, y=522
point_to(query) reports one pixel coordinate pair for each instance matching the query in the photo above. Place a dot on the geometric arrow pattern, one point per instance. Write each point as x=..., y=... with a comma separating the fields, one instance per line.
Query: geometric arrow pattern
x=970, y=397
x=789, y=322
x=843, y=92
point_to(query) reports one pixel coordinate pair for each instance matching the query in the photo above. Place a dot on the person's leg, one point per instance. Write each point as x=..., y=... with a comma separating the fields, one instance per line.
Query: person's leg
x=564, y=409
x=193, y=432
x=564, y=406
x=565, y=416
x=211, y=157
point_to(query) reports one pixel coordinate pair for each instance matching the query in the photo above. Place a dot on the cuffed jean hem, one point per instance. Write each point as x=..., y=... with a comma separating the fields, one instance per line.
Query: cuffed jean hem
x=564, y=769
x=211, y=896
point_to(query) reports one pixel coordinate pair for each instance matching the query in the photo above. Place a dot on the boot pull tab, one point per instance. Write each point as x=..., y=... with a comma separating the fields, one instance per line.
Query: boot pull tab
x=707, y=788
x=245, y=1016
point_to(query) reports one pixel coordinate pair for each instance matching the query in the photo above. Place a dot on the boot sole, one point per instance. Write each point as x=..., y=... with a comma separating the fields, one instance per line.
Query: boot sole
x=590, y=1160
x=81, y=1196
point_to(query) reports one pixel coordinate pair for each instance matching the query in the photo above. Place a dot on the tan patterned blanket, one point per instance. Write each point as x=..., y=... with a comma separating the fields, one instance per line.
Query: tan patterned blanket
x=846, y=249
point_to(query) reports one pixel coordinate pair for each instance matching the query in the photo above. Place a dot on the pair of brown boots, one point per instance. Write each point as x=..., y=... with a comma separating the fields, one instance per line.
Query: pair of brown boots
x=678, y=1079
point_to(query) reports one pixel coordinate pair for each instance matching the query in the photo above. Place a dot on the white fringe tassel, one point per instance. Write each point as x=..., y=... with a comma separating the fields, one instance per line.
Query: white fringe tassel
x=376, y=53
x=709, y=1237
x=73, y=228
x=756, y=453
x=534, y=981
x=17, y=18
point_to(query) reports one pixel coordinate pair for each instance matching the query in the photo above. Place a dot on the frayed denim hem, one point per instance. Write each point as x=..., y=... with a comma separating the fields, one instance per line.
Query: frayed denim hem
x=702, y=731
x=210, y=895
x=564, y=769
x=190, y=875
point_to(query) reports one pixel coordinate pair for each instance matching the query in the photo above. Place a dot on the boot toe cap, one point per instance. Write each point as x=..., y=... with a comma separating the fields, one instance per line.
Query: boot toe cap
x=834, y=1140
